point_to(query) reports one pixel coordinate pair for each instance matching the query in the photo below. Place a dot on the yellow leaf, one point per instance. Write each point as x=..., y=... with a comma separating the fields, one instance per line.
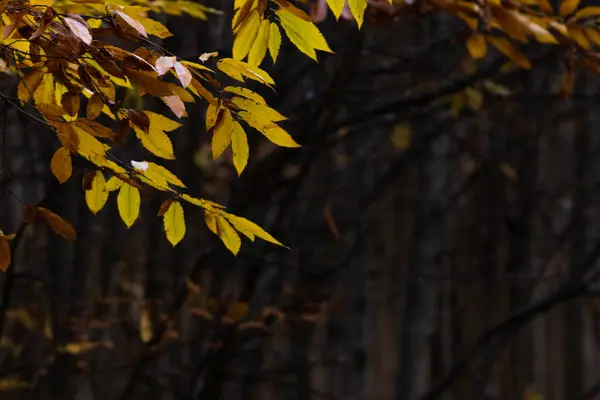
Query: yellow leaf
x=248, y=227
x=206, y=204
x=567, y=7
x=579, y=37
x=358, y=8
x=156, y=175
x=336, y=7
x=588, y=12
x=239, y=147
x=593, y=34
x=97, y=194
x=271, y=130
x=221, y=134
x=196, y=65
x=211, y=221
x=128, y=202
x=85, y=346
x=114, y=183
x=60, y=165
x=156, y=141
x=506, y=48
x=160, y=122
x=245, y=37
x=259, y=109
x=174, y=222
x=155, y=28
x=274, y=41
x=212, y=113
x=259, y=49
x=477, y=46
x=238, y=70
x=44, y=96
x=247, y=93
x=402, y=136
x=4, y=254
x=28, y=85
x=228, y=235
x=303, y=34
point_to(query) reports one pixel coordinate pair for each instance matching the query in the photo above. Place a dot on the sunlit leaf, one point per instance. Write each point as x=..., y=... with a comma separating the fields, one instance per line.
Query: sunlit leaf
x=239, y=147
x=97, y=194
x=174, y=223
x=128, y=202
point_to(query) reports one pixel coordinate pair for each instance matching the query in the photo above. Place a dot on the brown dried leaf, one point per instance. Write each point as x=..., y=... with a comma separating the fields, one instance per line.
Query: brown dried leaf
x=79, y=29
x=94, y=106
x=70, y=102
x=58, y=225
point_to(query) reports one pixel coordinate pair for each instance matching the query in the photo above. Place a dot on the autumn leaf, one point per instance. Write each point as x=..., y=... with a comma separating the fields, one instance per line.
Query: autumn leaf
x=247, y=93
x=246, y=35
x=303, y=34
x=336, y=7
x=505, y=47
x=358, y=8
x=250, y=229
x=221, y=134
x=184, y=75
x=79, y=29
x=477, y=46
x=57, y=223
x=156, y=175
x=61, y=164
x=128, y=202
x=228, y=235
x=97, y=194
x=270, y=129
x=94, y=106
x=259, y=48
x=239, y=147
x=567, y=7
x=274, y=41
x=174, y=223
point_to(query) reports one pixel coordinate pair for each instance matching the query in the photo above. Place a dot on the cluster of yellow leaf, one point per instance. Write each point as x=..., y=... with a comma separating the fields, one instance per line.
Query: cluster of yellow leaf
x=502, y=24
x=72, y=78
x=169, y=7
x=257, y=29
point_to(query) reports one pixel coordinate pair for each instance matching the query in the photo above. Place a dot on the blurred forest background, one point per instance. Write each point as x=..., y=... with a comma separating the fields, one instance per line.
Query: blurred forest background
x=442, y=217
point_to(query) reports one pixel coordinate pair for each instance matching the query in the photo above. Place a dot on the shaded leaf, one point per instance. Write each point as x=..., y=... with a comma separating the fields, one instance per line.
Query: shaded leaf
x=60, y=165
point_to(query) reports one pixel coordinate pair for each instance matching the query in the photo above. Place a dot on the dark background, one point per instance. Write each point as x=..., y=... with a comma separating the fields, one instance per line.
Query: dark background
x=458, y=265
